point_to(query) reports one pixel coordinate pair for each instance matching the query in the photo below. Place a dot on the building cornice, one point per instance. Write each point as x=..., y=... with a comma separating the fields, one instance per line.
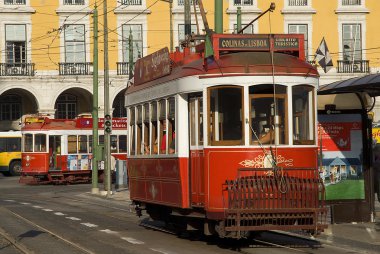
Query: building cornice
x=18, y=9
x=352, y=10
x=132, y=10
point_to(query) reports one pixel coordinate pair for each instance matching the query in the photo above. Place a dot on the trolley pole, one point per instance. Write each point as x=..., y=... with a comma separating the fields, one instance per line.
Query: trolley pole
x=107, y=136
x=95, y=79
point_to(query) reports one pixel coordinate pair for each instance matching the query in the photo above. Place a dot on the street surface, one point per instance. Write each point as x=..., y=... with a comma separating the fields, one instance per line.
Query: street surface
x=68, y=219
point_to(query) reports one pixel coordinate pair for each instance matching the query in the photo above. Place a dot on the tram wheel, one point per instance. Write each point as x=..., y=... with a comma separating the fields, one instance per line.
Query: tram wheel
x=15, y=168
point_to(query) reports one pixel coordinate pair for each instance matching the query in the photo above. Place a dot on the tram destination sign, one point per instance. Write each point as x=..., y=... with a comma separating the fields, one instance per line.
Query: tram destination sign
x=152, y=66
x=279, y=43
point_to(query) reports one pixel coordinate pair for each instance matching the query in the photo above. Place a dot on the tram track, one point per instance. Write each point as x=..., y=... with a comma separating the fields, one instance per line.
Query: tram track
x=13, y=242
x=24, y=249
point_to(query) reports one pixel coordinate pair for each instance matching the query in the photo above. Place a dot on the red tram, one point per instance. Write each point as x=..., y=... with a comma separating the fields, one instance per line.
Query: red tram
x=227, y=144
x=60, y=150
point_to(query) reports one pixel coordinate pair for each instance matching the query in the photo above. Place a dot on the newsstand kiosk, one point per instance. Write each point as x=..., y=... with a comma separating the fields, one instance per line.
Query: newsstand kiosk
x=345, y=144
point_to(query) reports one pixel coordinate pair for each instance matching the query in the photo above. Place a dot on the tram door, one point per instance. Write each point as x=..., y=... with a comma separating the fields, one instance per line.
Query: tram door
x=196, y=150
x=55, y=152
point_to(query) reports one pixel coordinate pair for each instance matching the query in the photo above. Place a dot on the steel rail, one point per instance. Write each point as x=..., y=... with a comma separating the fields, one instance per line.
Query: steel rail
x=75, y=245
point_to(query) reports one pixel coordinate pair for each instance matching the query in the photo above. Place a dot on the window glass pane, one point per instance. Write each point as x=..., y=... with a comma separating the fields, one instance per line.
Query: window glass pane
x=40, y=143
x=113, y=144
x=268, y=117
x=171, y=126
x=3, y=145
x=15, y=32
x=72, y=144
x=226, y=115
x=303, y=115
x=13, y=144
x=248, y=30
x=137, y=41
x=82, y=143
x=122, y=143
x=352, y=46
x=300, y=29
x=28, y=142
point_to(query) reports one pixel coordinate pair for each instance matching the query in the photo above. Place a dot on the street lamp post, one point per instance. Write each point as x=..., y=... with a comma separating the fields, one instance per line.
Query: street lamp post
x=171, y=23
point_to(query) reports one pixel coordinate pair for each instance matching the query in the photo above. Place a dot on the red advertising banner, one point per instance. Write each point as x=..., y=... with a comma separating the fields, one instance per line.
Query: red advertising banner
x=336, y=136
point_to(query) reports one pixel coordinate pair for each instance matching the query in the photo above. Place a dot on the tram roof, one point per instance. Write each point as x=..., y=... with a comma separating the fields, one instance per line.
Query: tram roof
x=238, y=63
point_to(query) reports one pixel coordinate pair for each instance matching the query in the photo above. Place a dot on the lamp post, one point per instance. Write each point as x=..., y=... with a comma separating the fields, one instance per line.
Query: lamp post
x=107, y=136
x=171, y=23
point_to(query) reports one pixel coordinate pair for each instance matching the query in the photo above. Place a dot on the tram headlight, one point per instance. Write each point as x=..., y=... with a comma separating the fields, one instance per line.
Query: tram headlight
x=27, y=158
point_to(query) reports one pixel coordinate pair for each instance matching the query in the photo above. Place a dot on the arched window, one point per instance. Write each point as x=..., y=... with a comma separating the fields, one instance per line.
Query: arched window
x=66, y=106
x=10, y=107
x=118, y=105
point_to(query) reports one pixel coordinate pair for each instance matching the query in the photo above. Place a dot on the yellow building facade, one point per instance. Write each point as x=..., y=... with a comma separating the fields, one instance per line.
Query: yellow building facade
x=46, y=59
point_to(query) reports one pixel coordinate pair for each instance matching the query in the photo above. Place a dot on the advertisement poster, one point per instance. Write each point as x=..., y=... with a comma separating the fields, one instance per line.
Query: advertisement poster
x=340, y=139
x=78, y=162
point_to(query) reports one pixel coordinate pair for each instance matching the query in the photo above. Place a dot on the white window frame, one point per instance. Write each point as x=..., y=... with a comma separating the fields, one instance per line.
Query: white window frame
x=304, y=19
x=352, y=19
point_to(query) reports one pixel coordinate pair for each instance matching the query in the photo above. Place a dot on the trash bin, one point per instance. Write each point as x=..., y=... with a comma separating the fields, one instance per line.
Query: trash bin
x=121, y=174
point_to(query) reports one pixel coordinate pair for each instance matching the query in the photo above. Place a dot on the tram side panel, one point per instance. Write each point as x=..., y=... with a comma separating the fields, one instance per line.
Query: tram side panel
x=162, y=181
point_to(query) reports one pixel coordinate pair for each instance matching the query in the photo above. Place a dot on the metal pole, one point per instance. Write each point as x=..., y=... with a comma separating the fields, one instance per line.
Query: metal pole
x=238, y=25
x=107, y=137
x=95, y=188
x=171, y=26
x=187, y=19
x=219, y=16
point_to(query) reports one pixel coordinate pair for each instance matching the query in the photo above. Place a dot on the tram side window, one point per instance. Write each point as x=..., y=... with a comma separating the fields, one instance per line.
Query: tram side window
x=268, y=116
x=146, y=124
x=153, y=139
x=113, y=144
x=82, y=139
x=303, y=115
x=72, y=144
x=28, y=142
x=40, y=143
x=171, y=126
x=140, y=148
x=162, y=121
x=132, y=130
x=122, y=143
x=226, y=115
x=90, y=144
x=196, y=121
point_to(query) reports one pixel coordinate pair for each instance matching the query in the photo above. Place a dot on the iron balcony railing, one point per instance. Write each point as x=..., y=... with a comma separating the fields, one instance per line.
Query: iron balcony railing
x=122, y=68
x=243, y=2
x=131, y=2
x=75, y=68
x=14, y=2
x=73, y=2
x=298, y=2
x=182, y=2
x=357, y=66
x=351, y=2
x=16, y=69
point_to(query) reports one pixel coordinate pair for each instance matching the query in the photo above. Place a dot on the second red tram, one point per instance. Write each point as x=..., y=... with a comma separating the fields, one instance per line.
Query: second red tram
x=228, y=143
x=60, y=150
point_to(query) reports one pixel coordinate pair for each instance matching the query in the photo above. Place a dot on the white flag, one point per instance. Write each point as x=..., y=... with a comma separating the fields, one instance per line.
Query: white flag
x=323, y=56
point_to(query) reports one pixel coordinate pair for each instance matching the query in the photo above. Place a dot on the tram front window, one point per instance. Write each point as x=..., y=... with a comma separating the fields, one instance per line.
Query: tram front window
x=28, y=142
x=226, y=115
x=268, y=114
x=40, y=143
